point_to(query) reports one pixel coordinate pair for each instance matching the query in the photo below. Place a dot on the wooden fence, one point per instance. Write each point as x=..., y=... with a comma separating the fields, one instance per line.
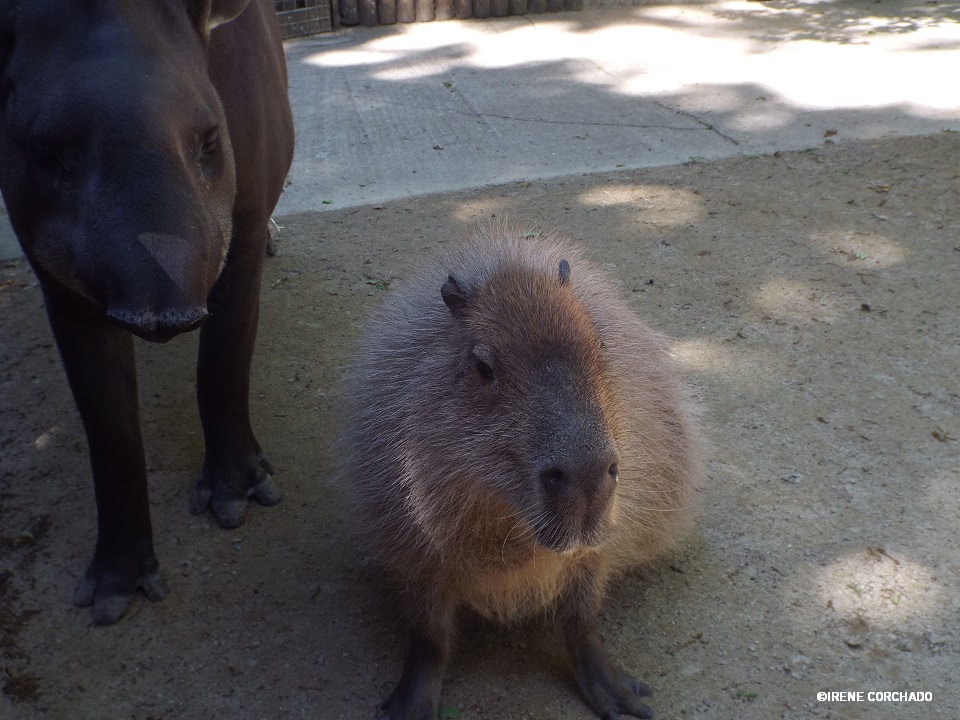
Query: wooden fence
x=388, y=12
x=308, y=17
x=305, y=17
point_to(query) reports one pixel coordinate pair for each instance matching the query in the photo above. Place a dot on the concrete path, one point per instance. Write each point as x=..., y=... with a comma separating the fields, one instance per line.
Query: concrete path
x=398, y=111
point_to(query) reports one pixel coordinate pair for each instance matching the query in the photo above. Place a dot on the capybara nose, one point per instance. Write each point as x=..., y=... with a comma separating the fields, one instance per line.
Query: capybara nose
x=159, y=327
x=595, y=476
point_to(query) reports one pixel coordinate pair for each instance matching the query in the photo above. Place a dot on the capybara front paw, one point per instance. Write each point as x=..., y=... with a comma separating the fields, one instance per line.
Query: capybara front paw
x=611, y=692
x=400, y=706
x=227, y=491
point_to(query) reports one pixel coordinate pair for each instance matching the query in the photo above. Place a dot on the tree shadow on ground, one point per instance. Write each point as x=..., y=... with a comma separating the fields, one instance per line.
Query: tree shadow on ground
x=842, y=21
x=768, y=22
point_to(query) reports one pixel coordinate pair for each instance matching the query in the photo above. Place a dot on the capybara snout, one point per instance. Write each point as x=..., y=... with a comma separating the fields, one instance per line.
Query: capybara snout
x=577, y=478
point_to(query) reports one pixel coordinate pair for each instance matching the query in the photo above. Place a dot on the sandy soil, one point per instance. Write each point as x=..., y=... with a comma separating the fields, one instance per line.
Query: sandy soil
x=814, y=302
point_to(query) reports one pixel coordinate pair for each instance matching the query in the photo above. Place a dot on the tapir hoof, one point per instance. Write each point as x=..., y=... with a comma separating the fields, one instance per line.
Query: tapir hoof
x=228, y=493
x=110, y=595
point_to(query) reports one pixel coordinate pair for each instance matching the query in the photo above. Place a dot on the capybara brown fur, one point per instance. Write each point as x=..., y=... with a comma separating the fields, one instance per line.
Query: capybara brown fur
x=515, y=437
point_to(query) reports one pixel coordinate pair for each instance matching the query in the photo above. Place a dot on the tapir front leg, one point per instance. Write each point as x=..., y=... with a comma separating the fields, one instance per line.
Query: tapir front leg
x=99, y=361
x=234, y=467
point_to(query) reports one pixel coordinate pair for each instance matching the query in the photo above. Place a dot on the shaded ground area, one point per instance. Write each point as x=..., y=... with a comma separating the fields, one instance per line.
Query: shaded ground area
x=814, y=304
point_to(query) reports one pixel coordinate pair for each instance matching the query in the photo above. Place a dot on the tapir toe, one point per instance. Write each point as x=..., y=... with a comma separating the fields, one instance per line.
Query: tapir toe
x=110, y=595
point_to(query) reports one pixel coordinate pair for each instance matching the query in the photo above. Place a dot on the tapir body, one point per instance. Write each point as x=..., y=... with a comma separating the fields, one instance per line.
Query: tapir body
x=143, y=147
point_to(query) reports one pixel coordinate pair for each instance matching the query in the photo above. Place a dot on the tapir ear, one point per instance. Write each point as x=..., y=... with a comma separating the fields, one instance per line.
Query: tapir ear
x=454, y=297
x=207, y=14
x=222, y=11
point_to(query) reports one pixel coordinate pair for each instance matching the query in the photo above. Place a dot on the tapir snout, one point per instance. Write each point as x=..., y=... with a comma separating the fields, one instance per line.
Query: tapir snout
x=162, y=286
x=159, y=327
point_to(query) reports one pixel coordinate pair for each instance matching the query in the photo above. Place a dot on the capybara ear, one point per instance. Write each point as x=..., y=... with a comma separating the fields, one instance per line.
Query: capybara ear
x=564, y=272
x=454, y=297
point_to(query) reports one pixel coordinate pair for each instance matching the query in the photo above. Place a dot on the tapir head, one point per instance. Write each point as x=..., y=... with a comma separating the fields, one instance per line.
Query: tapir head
x=115, y=157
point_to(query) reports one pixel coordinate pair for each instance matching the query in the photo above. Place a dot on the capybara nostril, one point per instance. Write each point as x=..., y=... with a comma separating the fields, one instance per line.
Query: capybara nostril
x=552, y=479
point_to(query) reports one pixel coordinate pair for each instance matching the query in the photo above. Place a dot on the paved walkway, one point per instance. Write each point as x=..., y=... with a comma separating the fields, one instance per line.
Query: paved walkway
x=389, y=112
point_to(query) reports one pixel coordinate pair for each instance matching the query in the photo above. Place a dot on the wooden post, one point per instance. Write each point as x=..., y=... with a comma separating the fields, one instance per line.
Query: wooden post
x=464, y=9
x=536, y=6
x=445, y=10
x=554, y=5
x=425, y=11
x=349, y=14
x=499, y=8
x=406, y=11
x=388, y=11
x=481, y=8
x=518, y=7
x=573, y=4
x=368, y=12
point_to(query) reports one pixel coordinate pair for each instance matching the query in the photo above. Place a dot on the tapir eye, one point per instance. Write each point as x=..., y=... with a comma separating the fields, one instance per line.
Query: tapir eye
x=45, y=157
x=211, y=141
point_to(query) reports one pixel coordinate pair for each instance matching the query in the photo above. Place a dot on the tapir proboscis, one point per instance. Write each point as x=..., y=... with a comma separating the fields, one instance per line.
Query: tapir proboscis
x=143, y=147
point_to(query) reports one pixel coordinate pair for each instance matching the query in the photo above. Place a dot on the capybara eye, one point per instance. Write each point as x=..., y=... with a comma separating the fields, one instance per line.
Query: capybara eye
x=482, y=360
x=614, y=472
x=483, y=369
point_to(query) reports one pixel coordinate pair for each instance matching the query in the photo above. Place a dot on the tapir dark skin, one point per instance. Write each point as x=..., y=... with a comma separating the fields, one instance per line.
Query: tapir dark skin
x=143, y=147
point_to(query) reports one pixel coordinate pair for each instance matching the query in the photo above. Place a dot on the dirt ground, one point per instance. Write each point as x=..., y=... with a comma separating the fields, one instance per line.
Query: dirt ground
x=814, y=302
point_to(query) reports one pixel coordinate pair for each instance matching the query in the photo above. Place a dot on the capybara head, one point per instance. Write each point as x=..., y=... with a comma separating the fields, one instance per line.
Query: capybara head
x=529, y=371
x=507, y=404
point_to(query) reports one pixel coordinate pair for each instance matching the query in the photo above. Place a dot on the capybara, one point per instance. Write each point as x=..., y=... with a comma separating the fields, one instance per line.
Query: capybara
x=515, y=437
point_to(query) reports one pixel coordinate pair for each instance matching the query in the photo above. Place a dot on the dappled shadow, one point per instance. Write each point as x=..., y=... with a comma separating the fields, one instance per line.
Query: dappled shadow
x=387, y=113
x=840, y=21
x=767, y=22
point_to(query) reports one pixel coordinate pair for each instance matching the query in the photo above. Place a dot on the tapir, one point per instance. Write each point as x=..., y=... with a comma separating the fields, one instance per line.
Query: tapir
x=143, y=147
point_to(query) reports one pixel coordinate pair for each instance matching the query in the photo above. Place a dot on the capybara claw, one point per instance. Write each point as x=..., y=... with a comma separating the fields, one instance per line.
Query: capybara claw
x=394, y=708
x=612, y=693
